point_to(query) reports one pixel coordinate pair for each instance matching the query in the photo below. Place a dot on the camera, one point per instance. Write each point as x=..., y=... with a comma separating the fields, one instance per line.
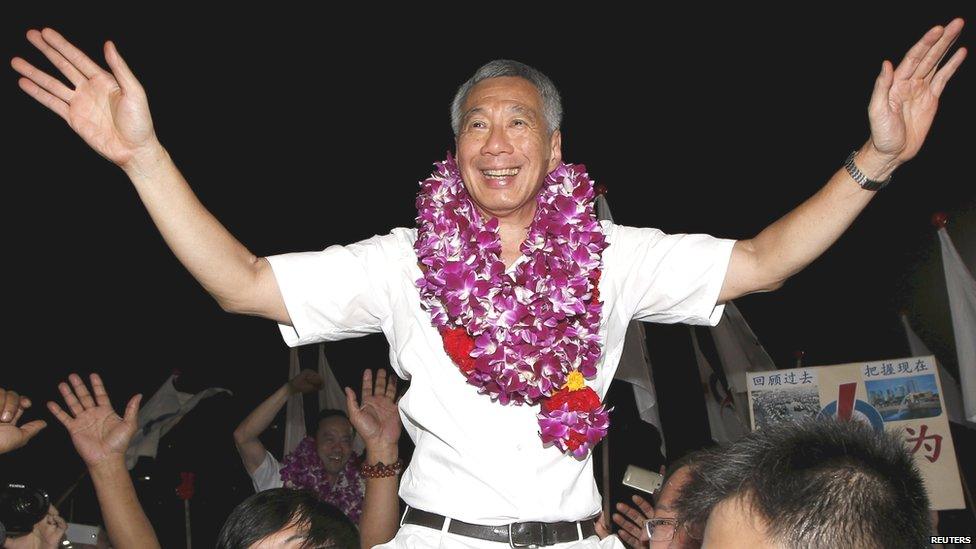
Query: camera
x=22, y=507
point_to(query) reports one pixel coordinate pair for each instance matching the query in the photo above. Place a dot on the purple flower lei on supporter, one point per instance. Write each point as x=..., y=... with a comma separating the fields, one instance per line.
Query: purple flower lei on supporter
x=303, y=468
x=531, y=331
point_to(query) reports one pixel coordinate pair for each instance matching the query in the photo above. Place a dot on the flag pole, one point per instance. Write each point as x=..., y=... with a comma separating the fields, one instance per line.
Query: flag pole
x=186, y=520
x=185, y=492
x=606, y=478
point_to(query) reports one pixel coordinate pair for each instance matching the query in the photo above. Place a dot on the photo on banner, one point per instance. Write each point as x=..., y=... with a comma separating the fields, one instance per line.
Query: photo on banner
x=901, y=395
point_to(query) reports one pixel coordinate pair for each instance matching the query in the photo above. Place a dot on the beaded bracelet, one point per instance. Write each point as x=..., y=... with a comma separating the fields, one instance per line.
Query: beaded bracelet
x=381, y=470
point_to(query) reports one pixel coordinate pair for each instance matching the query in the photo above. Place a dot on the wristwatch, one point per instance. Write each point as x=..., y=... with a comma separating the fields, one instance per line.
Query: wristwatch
x=860, y=178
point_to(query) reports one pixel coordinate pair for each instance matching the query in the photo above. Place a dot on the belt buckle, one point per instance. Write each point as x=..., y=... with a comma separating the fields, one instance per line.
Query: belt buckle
x=542, y=535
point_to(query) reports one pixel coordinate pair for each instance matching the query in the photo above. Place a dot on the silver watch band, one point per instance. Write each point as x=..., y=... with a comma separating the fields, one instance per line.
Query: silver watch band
x=860, y=178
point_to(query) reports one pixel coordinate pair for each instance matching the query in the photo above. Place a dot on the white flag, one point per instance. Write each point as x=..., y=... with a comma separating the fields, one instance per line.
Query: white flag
x=635, y=365
x=331, y=397
x=163, y=411
x=294, y=409
x=950, y=387
x=962, y=304
x=739, y=351
x=723, y=421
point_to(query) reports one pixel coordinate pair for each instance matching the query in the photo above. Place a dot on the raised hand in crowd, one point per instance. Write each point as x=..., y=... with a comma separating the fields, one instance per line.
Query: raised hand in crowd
x=12, y=436
x=631, y=522
x=101, y=437
x=306, y=381
x=377, y=420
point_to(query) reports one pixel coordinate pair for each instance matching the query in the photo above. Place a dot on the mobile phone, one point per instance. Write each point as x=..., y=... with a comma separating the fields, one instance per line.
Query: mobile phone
x=82, y=534
x=642, y=479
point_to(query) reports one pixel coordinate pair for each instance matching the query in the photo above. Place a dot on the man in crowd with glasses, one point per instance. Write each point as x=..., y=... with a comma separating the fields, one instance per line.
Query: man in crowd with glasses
x=658, y=524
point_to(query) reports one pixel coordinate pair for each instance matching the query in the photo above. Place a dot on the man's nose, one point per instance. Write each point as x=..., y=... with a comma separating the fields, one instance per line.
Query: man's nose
x=497, y=142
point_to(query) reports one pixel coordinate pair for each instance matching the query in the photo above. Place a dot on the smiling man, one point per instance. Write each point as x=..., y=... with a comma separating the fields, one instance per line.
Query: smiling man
x=324, y=463
x=508, y=304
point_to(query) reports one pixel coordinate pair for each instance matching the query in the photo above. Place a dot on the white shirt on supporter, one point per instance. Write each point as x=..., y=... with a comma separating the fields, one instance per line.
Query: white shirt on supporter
x=267, y=475
x=476, y=460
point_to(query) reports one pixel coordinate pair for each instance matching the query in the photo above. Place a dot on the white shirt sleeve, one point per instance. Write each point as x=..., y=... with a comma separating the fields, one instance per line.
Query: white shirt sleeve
x=267, y=475
x=333, y=294
x=668, y=278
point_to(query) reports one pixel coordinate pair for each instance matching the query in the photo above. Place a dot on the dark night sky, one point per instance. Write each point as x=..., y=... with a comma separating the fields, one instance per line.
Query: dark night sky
x=298, y=134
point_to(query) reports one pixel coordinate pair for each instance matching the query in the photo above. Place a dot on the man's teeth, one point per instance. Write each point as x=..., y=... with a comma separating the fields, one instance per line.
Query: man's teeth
x=501, y=173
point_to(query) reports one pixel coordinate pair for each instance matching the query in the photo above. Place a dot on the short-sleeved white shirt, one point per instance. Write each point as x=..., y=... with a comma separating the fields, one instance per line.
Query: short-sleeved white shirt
x=268, y=474
x=476, y=460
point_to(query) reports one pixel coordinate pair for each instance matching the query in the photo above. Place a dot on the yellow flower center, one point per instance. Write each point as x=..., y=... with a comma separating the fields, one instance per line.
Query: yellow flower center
x=575, y=381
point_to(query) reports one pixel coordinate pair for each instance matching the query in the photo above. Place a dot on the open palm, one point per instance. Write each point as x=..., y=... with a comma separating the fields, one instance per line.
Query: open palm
x=905, y=99
x=377, y=420
x=98, y=433
x=109, y=110
x=13, y=436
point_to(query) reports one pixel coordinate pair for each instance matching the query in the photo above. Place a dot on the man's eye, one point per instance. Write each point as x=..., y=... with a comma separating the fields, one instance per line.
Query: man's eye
x=518, y=122
x=478, y=124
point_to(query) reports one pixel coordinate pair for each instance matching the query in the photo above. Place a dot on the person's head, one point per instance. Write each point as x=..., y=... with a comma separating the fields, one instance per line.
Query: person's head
x=683, y=536
x=506, y=128
x=814, y=484
x=333, y=439
x=289, y=519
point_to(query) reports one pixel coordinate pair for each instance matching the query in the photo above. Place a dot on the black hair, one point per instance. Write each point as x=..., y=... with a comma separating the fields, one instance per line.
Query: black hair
x=312, y=427
x=270, y=511
x=688, y=459
x=816, y=484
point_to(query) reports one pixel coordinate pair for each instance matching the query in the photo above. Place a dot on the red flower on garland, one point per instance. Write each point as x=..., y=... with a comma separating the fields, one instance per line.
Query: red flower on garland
x=459, y=345
x=575, y=439
x=596, y=287
x=583, y=400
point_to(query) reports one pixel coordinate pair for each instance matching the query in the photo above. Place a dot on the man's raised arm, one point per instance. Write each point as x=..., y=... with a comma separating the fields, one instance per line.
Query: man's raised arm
x=246, y=434
x=110, y=111
x=901, y=111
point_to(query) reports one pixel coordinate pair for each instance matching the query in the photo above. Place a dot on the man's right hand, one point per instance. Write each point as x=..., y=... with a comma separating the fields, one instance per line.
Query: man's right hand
x=306, y=381
x=109, y=110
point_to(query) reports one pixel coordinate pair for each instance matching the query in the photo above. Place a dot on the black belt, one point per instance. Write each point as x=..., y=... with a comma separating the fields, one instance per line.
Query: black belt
x=516, y=534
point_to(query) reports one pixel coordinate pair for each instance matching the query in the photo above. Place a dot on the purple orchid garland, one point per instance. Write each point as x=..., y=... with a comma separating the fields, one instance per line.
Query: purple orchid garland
x=530, y=332
x=303, y=468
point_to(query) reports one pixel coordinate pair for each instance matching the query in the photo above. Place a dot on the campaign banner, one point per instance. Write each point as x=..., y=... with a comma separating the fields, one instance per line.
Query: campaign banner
x=901, y=395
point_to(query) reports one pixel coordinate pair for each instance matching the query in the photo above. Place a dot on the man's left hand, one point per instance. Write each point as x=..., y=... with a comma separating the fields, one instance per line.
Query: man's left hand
x=905, y=99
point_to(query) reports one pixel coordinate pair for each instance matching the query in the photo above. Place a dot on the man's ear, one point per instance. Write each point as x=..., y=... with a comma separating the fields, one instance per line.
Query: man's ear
x=555, y=149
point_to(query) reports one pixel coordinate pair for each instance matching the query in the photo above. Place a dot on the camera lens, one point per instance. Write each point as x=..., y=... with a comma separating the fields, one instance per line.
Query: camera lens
x=22, y=507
